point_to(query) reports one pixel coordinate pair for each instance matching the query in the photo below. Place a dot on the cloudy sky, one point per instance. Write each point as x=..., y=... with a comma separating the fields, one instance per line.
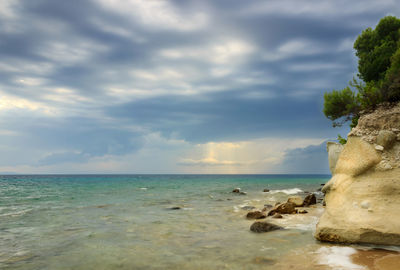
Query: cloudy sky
x=152, y=86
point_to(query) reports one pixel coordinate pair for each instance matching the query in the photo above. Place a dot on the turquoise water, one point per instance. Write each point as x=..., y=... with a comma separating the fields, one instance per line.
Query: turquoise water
x=124, y=221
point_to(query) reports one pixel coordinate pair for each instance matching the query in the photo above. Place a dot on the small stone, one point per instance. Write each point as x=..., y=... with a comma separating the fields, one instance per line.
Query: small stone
x=379, y=147
x=256, y=215
x=262, y=226
x=302, y=212
x=236, y=190
x=364, y=204
x=266, y=190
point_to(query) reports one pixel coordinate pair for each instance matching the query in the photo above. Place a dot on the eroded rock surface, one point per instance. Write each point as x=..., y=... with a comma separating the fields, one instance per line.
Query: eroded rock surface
x=363, y=196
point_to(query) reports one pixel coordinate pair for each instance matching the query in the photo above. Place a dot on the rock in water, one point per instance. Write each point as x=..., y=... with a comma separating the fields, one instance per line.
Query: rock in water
x=277, y=215
x=174, y=208
x=309, y=200
x=262, y=226
x=256, y=215
x=362, y=197
x=266, y=190
x=236, y=190
x=283, y=208
x=248, y=207
x=297, y=200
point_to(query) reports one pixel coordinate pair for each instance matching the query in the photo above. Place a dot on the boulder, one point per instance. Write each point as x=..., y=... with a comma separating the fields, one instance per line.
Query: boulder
x=283, y=208
x=309, y=200
x=256, y=215
x=386, y=138
x=262, y=226
x=297, y=200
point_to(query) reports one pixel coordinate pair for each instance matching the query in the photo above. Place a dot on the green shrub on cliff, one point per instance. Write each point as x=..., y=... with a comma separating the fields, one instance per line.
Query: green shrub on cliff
x=378, y=52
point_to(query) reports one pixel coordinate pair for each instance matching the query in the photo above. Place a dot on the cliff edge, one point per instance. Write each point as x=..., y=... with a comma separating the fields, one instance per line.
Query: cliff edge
x=363, y=196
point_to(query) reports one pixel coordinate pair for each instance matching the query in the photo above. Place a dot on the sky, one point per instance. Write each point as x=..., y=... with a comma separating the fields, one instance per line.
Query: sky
x=180, y=86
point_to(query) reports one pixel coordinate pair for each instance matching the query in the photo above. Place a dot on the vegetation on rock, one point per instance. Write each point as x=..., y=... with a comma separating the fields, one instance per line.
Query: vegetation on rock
x=378, y=52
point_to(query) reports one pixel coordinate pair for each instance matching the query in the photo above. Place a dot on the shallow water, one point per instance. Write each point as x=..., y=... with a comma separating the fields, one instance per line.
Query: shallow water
x=123, y=222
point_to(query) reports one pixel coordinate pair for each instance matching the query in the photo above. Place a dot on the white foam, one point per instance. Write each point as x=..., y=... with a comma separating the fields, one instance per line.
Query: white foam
x=143, y=188
x=289, y=191
x=338, y=258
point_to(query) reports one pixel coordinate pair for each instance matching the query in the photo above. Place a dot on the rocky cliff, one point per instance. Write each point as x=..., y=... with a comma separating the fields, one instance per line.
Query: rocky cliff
x=363, y=196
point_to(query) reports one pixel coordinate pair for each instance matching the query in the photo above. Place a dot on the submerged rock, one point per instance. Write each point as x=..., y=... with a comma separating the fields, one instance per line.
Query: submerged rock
x=256, y=215
x=262, y=226
x=248, y=207
x=174, y=208
x=309, y=200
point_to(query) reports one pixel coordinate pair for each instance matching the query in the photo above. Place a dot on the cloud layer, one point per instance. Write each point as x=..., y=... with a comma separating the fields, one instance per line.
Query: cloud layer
x=142, y=86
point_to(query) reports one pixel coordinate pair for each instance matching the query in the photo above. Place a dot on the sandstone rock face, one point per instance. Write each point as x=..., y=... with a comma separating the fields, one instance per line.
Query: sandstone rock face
x=363, y=196
x=334, y=149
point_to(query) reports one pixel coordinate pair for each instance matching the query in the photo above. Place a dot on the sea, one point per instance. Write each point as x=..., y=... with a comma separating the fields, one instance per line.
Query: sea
x=56, y=222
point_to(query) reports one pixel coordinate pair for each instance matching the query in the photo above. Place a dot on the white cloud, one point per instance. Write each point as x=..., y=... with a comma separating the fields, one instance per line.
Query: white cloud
x=71, y=52
x=157, y=14
x=229, y=51
x=294, y=47
x=317, y=8
x=314, y=66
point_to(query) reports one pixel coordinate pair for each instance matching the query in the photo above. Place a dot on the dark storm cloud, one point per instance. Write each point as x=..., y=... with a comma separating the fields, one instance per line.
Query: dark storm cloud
x=197, y=70
x=310, y=159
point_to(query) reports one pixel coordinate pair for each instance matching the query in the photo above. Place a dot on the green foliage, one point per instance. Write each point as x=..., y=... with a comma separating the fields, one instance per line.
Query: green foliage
x=340, y=106
x=341, y=139
x=378, y=51
x=374, y=48
x=391, y=83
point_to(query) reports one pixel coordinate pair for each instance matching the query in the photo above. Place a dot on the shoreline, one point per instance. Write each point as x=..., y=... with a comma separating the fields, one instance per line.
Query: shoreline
x=326, y=255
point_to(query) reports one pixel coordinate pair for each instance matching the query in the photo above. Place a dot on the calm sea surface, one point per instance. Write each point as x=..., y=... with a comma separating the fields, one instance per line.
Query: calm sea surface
x=123, y=221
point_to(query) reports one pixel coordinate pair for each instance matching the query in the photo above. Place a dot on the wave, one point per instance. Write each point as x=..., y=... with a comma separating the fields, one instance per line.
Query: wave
x=338, y=258
x=289, y=191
